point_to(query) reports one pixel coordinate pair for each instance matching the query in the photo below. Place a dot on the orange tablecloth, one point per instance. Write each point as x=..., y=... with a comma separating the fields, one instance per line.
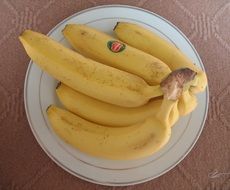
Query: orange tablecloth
x=24, y=165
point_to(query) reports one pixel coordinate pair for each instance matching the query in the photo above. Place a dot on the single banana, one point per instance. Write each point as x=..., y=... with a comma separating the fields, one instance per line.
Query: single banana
x=123, y=143
x=108, y=50
x=187, y=102
x=103, y=113
x=89, y=77
x=147, y=41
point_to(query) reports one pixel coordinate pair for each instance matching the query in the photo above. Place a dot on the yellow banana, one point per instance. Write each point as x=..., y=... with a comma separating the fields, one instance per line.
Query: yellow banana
x=104, y=113
x=105, y=49
x=187, y=103
x=97, y=80
x=147, y=41
x=123, y=143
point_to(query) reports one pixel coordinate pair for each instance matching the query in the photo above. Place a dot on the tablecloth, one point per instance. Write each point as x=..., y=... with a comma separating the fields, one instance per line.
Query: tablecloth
x=24, y=165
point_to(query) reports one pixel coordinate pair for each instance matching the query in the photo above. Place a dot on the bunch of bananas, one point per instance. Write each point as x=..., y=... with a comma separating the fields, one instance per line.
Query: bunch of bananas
x=120, y=97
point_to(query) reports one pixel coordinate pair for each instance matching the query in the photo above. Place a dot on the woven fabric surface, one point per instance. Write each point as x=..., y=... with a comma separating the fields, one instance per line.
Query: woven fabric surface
x=24, y=165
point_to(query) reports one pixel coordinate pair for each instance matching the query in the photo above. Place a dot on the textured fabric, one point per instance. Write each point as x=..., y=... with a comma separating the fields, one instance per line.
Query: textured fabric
x=24, y=165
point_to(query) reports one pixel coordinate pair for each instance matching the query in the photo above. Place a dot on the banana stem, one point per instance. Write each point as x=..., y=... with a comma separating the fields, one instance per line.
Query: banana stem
x=175, y=82
x=173, y=85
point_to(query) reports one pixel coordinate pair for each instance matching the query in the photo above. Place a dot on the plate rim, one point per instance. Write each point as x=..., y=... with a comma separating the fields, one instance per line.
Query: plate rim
x=85, y=177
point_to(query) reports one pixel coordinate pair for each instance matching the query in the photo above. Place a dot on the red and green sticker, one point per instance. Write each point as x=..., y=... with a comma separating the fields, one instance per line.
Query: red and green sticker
x=115, y=46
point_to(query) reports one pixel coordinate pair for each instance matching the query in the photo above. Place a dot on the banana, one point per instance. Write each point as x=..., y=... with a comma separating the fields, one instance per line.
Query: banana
x=89, y=77
x=187, y=103
x=104, y=113
x=108, y=50
x=147, y=41
x=123, y=143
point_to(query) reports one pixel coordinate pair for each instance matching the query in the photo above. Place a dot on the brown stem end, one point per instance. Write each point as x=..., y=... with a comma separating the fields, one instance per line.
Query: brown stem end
x=173, y=85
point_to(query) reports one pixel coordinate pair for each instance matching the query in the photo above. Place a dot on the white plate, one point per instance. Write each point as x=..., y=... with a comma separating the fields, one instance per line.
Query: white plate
x=40, y=92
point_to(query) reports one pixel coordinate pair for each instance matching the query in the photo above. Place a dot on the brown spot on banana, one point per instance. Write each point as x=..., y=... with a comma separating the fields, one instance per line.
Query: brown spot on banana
x=83, y=32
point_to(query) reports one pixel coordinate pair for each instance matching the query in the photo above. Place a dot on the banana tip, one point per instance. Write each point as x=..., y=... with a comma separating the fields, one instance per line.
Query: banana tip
x=115, y=26
x=47, y=109
x=64, y=29
x=58, y=85
x=21, y=37
x=67, y=26
x=22, y=34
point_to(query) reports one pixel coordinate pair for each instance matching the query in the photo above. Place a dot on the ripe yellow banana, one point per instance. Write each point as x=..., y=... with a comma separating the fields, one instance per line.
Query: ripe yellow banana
x=89, y=77
x=105, y=49
x=147, y=41
x=123, y=143
x=104, y=113
x=187, y=102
